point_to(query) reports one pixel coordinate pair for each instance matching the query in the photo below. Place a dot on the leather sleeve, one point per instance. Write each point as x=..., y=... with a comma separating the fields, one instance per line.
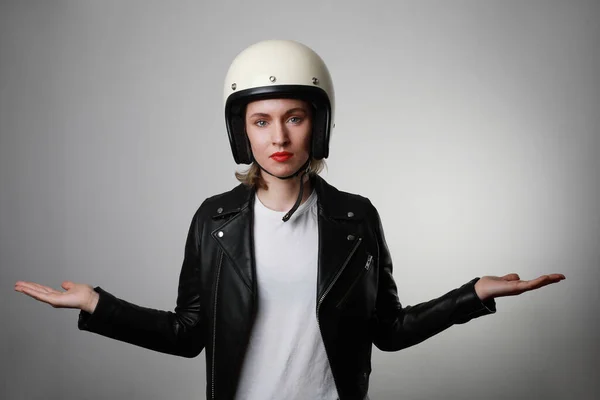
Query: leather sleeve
x=397, y=327
x=178, y=333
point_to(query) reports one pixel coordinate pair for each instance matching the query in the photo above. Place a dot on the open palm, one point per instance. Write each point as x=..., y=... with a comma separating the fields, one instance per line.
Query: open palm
x=77, y=295
x=511, y=285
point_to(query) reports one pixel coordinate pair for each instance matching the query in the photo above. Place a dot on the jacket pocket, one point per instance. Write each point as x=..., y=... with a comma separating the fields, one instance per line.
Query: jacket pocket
x=358, y=278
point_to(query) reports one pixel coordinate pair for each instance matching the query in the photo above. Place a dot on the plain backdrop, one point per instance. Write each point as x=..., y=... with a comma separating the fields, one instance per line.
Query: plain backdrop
x=473, y=126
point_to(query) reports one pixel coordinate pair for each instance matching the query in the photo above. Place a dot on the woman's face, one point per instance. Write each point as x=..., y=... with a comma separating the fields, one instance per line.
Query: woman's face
x=279, y=131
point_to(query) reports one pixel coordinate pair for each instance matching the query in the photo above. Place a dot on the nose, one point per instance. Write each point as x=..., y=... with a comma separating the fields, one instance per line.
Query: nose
x=280, y=135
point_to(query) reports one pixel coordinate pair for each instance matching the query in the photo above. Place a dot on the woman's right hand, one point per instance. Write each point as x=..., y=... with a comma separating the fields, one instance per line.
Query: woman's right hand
x=77, y=295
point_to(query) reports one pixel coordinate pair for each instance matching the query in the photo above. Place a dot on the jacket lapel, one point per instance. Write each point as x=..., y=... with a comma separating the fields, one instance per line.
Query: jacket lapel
x=338, y=237
x=236, y=234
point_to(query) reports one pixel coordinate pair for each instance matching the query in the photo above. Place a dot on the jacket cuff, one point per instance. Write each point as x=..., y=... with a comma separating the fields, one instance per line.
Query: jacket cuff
x=102, y=313
x=470, y=306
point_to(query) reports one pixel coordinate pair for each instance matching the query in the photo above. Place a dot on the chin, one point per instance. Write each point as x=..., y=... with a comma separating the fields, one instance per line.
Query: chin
x=283, y=169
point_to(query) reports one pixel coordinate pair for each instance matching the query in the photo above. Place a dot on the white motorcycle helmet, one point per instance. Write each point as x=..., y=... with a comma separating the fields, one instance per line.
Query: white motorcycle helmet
x=278, y=68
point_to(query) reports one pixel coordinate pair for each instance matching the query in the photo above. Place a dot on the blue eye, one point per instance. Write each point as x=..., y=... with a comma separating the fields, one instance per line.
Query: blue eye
x=296, y=120
x=261, y=123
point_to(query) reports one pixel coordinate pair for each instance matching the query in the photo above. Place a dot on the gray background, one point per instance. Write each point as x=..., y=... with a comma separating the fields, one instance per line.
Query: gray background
x=473, y=126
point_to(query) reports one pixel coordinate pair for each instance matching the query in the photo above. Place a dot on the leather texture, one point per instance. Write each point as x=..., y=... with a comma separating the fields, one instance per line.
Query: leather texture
x=357, y=300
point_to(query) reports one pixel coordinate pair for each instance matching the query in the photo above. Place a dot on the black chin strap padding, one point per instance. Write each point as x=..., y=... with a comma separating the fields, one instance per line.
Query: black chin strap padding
x=320, y=139
x=240, y=146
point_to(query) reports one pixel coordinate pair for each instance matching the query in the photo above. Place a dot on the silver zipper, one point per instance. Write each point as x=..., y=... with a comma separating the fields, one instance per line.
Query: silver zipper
x=215, y=322
x=358, y=278
x=327, y=291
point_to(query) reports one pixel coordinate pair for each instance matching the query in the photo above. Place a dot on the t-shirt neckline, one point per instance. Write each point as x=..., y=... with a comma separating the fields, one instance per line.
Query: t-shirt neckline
x=260, y=207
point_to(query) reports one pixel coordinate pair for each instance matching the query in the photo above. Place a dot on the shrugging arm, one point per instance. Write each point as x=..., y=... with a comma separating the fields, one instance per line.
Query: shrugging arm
x=178, y=333
x=397, y=327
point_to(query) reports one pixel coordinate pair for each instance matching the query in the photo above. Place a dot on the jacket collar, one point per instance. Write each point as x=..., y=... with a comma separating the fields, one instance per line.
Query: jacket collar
x=331, y=202
x=338, y=238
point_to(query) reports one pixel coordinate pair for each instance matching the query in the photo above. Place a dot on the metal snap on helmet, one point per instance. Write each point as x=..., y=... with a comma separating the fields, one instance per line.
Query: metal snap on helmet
x=278, y=69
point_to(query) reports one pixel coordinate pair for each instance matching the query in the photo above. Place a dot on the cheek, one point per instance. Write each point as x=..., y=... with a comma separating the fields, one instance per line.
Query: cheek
x=308, y=137
x=257, y=141
x=251, y=135
x=307, y=140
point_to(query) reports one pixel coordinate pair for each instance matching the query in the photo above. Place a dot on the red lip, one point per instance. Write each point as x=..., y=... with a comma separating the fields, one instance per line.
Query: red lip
x=281, y=156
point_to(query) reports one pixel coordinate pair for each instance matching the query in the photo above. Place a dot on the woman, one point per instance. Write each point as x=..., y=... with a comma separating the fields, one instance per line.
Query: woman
x=286, y=282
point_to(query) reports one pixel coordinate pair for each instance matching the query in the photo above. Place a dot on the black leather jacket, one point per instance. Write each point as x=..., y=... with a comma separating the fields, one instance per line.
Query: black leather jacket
x=357, y=302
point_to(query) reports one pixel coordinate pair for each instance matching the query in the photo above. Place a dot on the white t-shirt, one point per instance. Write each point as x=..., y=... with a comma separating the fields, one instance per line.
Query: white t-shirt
x=286, y=357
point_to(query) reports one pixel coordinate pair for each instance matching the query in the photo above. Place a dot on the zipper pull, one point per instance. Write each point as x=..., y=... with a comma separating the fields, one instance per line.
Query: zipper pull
x=368, y=264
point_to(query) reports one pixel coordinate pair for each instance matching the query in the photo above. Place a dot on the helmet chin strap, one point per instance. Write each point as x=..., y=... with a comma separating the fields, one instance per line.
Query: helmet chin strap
x=304, y=169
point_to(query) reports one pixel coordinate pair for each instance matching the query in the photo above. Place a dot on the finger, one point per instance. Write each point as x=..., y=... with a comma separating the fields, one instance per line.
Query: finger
x=541, y=281
x=67, y=285
x=511, y=277
x=40, y=288
x=535, y=283
x=41, y=296
x=553, y=278
x=30, y=286
x=557, y=276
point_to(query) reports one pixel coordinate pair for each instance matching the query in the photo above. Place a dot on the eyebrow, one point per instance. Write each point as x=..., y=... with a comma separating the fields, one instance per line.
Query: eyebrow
x=290, y=111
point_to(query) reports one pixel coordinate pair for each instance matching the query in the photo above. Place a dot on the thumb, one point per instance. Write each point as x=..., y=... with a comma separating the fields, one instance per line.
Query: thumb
x=67, y=285
x=511, y=277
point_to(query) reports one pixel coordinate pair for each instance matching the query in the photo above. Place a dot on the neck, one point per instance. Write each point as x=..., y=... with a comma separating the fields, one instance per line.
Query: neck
x=281, y=194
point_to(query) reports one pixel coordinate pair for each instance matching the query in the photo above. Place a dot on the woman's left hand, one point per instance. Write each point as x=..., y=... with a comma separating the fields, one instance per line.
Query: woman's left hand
x=511, y=285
